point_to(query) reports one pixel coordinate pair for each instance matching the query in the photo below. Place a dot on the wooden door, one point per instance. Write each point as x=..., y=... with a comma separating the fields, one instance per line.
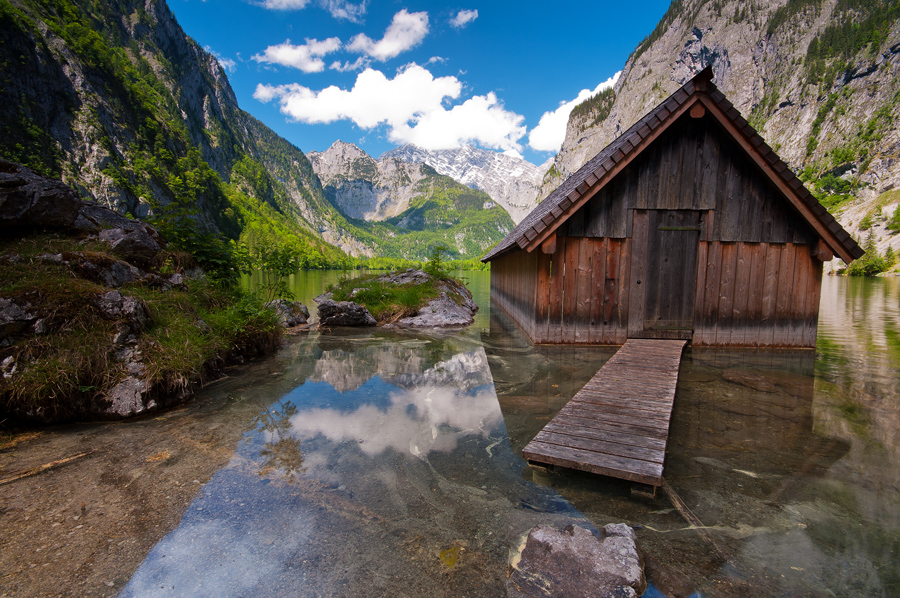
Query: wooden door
x=664, y=273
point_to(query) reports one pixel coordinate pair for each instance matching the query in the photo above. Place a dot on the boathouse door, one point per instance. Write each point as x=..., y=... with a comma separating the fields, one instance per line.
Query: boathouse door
x=663, y=273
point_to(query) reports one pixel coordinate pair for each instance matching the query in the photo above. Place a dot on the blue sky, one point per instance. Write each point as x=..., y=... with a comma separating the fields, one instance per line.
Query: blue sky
x=499, y=75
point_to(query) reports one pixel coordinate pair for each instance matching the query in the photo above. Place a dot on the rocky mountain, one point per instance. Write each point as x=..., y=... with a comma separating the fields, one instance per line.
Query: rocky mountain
x=510, y=181
x=819, y=79
x=406, y=209
x=116, y=100
x=362, y=187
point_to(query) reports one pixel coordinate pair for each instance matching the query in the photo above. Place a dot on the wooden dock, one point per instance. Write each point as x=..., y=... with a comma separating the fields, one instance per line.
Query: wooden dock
x=618, y=424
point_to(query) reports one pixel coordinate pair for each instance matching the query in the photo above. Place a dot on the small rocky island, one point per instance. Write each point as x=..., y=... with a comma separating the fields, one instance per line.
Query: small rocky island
x=406, y=299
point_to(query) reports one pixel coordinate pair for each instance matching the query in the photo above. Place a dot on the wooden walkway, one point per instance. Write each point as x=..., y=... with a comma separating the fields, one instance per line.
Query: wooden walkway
x=618, y=424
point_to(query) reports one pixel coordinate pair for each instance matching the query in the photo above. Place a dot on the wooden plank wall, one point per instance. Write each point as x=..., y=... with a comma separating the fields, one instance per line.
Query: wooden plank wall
x=695, y=165
x=514, y=277
x=582, y=296
x=756, y=282
x=756, y=295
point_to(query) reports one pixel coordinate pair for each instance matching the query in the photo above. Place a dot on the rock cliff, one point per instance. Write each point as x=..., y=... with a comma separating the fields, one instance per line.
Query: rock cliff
x=365, y=188
x=820, y=80
x=405, y=208
x=115, y=98
x=510, y=181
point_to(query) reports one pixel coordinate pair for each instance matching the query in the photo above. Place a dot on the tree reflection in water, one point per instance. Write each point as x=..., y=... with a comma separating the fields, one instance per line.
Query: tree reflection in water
x=281, y=453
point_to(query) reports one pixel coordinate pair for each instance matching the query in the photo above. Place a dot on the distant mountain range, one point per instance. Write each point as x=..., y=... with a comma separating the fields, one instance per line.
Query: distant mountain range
x=402, y=208
x=512, y=182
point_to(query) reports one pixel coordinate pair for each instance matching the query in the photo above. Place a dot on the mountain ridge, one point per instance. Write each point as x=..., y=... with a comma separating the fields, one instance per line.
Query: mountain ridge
x=408, y=208
x=819, y=80
x=510, y=181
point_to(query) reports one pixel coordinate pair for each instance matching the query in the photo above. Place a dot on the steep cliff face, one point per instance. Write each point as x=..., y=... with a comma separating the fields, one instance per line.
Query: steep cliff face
x=510, y=181
x=365, y=188
x=119, y=102
x=819, y=79
x=405, y=209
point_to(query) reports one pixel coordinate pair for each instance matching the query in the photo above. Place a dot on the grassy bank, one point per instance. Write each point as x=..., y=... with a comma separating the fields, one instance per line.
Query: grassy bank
x=77, y=353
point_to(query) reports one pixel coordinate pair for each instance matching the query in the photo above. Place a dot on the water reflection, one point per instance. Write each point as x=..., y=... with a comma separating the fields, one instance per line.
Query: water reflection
x=362, y=484
x=789, y=459
x=391, y=466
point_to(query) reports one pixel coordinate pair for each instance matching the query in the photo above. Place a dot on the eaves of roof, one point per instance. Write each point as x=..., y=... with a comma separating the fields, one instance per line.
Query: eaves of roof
x=597, y=172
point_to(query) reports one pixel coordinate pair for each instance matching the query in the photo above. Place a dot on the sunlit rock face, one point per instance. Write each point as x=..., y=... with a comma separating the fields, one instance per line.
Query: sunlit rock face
x=365, y=188
x=509, y=180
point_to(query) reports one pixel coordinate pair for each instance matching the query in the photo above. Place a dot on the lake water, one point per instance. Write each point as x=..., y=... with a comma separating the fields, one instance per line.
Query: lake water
x=389, y=464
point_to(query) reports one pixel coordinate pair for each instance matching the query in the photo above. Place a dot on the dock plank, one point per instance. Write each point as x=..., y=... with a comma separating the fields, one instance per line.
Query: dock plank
x=618, y=424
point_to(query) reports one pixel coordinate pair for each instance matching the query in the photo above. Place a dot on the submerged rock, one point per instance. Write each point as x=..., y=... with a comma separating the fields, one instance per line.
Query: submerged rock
x=573, y=563
x=749, y=379
x=342, y=313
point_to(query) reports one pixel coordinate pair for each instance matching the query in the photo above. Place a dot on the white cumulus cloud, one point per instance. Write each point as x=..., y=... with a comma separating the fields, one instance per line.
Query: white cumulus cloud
x=482, y=120
x=339, y=9
x=307, y=57
x=406, y=31
x=411, y=105
x=550, y=132
x=463, y=18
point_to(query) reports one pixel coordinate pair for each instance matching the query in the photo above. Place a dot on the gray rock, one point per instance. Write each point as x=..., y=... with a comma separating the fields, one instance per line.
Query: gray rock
x=8, y=367
x=442, y=312
x=343, y=313
x=453, y=307
x=113, y=305
x=29, y=200
x=411, y=276
x=14, y=318
x=109, y=272
x=127, y=398
x=290, y=313
x=136, y=246
x=573, y=563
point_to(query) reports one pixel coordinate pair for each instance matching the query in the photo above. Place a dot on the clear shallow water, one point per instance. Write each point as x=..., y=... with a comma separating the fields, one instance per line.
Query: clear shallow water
x=390, y=464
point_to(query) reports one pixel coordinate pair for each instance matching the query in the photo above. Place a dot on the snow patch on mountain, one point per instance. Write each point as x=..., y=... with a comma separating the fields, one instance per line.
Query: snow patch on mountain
x=510, y=181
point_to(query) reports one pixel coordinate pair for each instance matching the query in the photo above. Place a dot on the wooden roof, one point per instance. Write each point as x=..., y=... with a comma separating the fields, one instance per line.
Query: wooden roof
x=543, y=221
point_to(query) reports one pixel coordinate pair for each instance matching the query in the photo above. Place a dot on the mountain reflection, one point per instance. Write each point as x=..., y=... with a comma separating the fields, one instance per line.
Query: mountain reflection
x=410, y=402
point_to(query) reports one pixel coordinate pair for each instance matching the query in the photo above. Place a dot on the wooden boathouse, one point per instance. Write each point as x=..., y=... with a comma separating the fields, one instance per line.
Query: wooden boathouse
x=687, y=226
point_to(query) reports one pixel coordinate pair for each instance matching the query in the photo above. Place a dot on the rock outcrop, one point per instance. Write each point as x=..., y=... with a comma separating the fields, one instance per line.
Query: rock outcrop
x=290, y=313
x=342, y=313
x=834, y=111
x=573, y=563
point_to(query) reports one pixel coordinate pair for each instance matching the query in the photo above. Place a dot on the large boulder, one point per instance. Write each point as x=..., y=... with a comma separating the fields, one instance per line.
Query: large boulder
x=30, y=201
x=453, y=307
x=342, y=313
x=290, y=313
x=136, y=246
x=574, y=563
